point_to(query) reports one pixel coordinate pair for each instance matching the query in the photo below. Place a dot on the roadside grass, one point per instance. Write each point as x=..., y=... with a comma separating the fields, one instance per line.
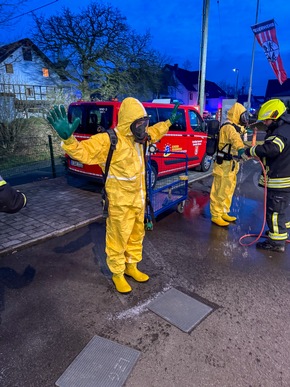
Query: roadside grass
x=17, y=160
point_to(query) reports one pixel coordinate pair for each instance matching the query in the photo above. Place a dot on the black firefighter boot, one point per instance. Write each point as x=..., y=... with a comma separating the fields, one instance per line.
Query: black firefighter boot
x=271, y=246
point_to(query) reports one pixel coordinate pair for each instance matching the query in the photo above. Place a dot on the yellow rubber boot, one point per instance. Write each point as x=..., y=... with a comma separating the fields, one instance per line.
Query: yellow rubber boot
x=132, y=271
x=121, y=284
x=220, y=222
x=229, y=218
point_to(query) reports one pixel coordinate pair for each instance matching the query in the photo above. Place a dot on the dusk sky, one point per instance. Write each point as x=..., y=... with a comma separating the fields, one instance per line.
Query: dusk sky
x=175, y=27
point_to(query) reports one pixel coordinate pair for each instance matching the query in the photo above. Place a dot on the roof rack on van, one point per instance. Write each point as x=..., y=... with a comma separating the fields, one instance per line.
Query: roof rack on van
x=166, y=100
x=161, y=100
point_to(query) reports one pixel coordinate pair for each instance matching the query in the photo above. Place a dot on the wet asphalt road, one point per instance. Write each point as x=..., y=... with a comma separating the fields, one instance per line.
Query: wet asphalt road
x=65, y=297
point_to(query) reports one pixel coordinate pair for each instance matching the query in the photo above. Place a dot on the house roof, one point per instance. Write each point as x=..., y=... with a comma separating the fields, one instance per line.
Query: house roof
x=189, y=79
x=8, y=49
x=274, y=89
x=212, y=90
x=256, y=101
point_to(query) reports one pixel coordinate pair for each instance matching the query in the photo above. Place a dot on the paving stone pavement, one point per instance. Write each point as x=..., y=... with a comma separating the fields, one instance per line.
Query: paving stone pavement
x=53, y=208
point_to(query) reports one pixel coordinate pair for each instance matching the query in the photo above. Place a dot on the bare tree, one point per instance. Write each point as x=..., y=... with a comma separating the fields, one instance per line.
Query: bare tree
x=9, y=10
x=230, y=88
x=187, y=65
x=106, y=57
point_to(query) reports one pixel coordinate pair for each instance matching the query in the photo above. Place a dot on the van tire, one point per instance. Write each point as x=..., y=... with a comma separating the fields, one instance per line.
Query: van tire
x=205, y=164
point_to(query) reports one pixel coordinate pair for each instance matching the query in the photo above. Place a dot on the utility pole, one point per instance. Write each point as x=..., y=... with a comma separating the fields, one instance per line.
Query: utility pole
x=237, y=82
x=203, y=54
x=252, y=65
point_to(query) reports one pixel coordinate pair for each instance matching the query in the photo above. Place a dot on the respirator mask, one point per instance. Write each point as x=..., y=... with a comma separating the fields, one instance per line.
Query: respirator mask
x=244, y=118
x=139, y=129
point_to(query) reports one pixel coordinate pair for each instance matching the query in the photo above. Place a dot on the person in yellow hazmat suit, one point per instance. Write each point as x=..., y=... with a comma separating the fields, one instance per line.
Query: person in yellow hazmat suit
x=125, y=184
x=225, y=166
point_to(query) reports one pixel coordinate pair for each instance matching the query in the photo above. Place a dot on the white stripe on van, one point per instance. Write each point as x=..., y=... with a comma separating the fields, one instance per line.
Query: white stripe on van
x=185, y=135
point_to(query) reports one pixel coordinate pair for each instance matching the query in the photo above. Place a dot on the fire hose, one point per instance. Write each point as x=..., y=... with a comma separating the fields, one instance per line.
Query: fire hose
x=260, y=235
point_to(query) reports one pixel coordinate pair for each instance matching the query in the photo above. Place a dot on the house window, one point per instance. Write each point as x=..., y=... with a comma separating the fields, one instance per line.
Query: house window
x=9, y=68
x=29, y=92
x=191, y=95
x=45, y=72
x=27, y=53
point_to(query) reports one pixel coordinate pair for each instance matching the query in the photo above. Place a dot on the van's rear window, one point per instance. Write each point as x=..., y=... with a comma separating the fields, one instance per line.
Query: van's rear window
x=92, y=117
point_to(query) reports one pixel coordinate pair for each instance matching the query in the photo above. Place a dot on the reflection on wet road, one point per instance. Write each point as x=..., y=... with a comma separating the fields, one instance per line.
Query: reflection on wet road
x=245, y=341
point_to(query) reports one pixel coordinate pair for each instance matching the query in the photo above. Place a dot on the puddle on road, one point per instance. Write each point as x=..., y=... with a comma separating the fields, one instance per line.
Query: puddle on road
x=224, y=242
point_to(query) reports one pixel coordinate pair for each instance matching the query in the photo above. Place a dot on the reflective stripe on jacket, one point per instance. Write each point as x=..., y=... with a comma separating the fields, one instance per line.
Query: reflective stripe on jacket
x=275, y=155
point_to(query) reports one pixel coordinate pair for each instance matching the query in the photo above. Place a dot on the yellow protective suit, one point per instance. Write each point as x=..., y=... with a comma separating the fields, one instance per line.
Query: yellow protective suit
x=225, y=174
x=125, y=185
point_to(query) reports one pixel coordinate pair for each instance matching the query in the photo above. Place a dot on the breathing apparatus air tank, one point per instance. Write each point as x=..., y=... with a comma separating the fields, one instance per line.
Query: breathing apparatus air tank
x=213, y=128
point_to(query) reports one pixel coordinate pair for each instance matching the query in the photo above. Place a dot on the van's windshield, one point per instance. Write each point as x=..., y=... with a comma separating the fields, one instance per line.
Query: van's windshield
x=92, y=116
x=196, y=122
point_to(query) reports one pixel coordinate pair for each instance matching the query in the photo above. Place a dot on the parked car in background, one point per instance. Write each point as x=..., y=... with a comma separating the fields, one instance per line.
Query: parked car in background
x=187, y=135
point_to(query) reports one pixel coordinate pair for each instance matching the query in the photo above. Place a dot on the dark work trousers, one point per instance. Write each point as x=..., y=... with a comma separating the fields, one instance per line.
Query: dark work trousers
x=277, y=215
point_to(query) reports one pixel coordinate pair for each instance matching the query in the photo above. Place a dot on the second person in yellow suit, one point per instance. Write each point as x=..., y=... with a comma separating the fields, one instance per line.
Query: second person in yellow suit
x=225, y=167
x=125, y=184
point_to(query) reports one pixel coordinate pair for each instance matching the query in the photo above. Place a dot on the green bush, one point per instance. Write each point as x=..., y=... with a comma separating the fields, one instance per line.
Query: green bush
x=24, y=141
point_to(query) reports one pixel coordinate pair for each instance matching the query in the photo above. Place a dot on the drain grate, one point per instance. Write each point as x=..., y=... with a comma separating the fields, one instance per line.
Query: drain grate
x=180, y=309
x=102, y=363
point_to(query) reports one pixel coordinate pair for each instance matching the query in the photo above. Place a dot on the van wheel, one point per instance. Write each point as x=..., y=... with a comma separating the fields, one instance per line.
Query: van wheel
x=153, y=176
x=205, y=164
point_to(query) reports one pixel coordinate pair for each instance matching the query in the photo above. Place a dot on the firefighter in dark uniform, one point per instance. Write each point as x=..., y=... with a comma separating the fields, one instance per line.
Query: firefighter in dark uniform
x=11, y=200
x=275, y=156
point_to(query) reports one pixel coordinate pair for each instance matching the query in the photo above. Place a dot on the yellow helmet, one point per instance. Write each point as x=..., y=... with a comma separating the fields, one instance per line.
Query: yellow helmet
x=271, y=110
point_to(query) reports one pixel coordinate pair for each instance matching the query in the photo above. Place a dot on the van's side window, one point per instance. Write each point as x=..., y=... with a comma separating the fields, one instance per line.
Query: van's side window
x=76, y=112
x=94, y=119
x=106, y=116
x=179, y=126
x=98, y=116
x=195, y=121
x=153, y=118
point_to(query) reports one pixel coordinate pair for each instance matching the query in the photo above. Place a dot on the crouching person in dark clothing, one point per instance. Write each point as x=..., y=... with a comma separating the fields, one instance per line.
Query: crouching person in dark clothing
x=11, y=200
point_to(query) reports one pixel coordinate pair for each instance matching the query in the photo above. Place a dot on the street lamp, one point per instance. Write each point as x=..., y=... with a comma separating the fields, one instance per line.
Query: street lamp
x=237, y=82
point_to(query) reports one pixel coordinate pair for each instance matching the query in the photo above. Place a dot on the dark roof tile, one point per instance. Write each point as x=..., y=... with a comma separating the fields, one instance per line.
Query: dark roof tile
x=274, y=89
x=189, y=79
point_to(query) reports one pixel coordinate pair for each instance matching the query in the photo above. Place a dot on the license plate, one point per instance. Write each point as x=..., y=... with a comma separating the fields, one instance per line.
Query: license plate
x=75, y=163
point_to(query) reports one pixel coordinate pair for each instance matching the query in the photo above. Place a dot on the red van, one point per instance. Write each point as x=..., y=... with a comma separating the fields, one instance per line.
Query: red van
x=188, y=134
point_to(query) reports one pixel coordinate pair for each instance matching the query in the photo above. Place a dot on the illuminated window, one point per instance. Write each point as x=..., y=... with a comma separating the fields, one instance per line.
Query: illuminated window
x=45, y=72
x=9, y=68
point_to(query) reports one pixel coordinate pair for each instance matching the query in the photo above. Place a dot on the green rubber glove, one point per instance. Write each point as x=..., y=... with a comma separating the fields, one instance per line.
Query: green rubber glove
x=249, y=130
x=174, y=115
x=242, y=154
x=57, y=118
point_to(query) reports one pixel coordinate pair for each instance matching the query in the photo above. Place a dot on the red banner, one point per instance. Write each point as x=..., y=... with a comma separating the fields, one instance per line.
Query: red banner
x=265, y=34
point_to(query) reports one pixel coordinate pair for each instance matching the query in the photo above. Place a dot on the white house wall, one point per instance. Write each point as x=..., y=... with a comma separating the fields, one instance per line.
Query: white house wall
x=28, y=72
x=180, y=92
